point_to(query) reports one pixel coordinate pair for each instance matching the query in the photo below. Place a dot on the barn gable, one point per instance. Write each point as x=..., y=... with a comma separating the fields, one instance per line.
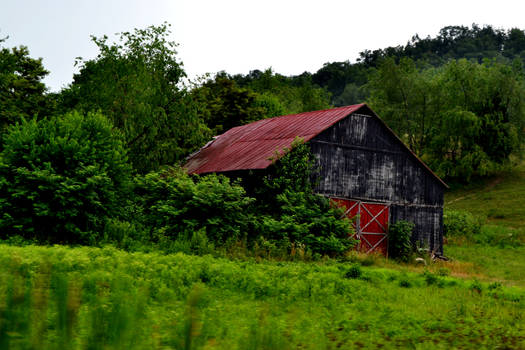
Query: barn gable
x=360, y=158
x=364, y=152
x=361, y=161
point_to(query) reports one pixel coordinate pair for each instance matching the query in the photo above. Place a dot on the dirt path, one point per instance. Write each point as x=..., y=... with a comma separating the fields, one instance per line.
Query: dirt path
x=489, y=187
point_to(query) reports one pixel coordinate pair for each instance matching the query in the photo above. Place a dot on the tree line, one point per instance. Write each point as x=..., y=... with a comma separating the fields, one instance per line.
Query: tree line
x=90, y=160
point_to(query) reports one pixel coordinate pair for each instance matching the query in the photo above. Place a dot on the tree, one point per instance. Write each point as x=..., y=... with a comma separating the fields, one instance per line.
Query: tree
x=62, y=178
x=295, y=94
x=22, y=93
x=342, y=80
x=464, y=119
x=137, y=84
x=223, y=104
x=402, y=94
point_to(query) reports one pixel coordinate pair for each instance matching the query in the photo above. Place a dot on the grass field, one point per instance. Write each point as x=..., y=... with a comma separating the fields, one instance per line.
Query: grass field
x=500, y=203
x=500, y=199
x=92, y=298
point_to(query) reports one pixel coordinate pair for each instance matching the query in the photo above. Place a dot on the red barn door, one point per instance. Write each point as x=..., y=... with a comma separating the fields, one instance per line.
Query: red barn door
x=370, y=221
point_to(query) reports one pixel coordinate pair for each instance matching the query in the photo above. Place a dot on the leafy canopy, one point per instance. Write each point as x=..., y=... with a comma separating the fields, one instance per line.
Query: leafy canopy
x=137, y=83
x=294, y=94
x=62, y=178
x=224, y=105
x=22, y=92
x=174, y=205
x=464, y=119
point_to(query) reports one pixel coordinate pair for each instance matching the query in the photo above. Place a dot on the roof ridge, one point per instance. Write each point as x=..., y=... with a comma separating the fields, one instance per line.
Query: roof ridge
x=357, y=106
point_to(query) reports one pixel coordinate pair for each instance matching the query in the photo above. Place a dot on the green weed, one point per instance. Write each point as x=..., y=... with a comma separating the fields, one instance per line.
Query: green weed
x=93, y=298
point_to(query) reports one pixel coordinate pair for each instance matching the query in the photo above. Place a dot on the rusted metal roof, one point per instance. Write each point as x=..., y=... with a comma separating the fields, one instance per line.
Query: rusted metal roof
x=251, y=146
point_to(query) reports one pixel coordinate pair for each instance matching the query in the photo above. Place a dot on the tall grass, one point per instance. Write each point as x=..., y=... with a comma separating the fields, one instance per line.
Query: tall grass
x=91, y=298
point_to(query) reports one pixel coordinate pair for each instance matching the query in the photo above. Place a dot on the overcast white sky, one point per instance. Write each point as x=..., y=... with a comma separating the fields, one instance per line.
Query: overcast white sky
x=291, y=36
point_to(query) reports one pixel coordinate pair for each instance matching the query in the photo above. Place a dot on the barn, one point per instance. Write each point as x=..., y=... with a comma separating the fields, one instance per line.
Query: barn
x=363, y=166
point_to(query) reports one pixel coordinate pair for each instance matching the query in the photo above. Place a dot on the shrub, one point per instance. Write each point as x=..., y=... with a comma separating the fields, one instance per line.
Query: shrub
x=175, y=205
x=293, y=212
x=404, y=282
x=430, y=278
x=399, y=246
x=476, y=286
x=354, y=271
x=62, y=178
x=460, y=223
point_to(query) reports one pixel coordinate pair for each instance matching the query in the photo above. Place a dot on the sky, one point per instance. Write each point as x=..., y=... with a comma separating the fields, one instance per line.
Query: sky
x=237, y=36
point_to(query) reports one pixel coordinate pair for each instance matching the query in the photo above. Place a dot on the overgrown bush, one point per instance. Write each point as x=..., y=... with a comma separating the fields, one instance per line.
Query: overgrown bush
x=399, y=245
x=460, y=223
x=292, y=212
x=174, y=205
x=62, y=178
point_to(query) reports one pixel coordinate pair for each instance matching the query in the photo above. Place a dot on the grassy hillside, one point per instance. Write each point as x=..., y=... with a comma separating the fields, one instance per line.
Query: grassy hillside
x=500, y=199
x=498, y=253
x=91, y=298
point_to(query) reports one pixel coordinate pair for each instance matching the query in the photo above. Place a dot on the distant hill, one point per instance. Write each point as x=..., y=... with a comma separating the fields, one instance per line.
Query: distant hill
x=344, y=79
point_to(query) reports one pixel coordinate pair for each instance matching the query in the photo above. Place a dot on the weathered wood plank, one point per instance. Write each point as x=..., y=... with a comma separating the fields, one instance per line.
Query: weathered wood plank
x=359, y=158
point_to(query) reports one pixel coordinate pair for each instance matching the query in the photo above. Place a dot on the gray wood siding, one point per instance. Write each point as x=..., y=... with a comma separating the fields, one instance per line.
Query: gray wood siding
x=359, y=158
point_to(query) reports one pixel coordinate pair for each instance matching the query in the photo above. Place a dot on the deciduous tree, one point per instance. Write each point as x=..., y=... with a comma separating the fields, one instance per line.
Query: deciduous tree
x=22, y=92
x=137, y=83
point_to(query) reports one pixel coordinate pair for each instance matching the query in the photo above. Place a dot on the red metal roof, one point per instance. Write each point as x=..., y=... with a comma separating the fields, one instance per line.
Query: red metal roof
x=251, y=146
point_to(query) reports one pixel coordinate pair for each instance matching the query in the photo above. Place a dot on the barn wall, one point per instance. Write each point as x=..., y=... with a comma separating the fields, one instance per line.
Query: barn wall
x=359, y=158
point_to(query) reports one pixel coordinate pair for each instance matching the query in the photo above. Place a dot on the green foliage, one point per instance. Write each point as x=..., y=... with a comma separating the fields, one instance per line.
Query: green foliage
x=175, y=205
x=354, y=271
x=294, y=94
x=399, y=244
x=292, y=212
x=136, y=82
x=293, y=169
x=22, y=93
x=343, y=80
x=463, y=119
x=460, y=223
x=92, y=298
x=455, y=42
x=62, y=178
x=224, y=105
x=271, y=104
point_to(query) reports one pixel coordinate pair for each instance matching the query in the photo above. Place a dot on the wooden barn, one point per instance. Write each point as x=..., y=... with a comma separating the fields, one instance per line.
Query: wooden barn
x=364, y=167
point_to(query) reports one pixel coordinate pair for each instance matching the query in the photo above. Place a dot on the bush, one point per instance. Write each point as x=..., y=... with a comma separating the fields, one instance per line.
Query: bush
x=430, y=278
x=354, y=271
x=399, y=246
x=62, y=178
x=291, y=211
x=460, y=223
x=175, y=205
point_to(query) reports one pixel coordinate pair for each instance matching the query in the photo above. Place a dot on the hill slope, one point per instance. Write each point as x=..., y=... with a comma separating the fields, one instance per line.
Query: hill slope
x=501, y=199
x=498, y=252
